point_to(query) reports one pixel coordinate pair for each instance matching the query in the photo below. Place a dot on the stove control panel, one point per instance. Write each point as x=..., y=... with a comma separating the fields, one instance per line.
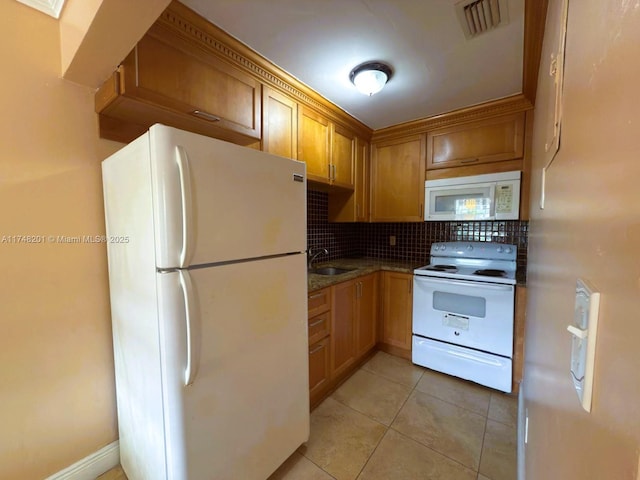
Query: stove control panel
x=482, y=250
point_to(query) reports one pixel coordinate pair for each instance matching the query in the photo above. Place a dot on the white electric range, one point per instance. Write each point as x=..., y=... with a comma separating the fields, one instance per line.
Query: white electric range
x=463, y=310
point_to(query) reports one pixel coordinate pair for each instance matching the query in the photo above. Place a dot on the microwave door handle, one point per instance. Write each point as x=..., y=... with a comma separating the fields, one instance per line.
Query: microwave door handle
x=440, y=281
x=492, y=197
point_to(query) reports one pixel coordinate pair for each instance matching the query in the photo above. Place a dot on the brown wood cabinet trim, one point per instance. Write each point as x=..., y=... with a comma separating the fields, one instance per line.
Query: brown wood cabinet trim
x=189, y=24
x=108, y=92
x=481, y=169
x=518, y=336
x=514, y=104
x=535, y=16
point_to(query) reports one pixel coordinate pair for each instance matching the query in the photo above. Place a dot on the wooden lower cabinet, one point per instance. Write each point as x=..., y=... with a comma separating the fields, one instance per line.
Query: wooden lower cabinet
x=366, y=313
x=319, y=358
x=518, y=337
x=342, y=332
x=343, y=305
x=397, y=305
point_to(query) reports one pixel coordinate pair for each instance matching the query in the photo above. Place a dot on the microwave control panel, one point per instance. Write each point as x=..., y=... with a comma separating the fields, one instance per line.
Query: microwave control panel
x=504, y=198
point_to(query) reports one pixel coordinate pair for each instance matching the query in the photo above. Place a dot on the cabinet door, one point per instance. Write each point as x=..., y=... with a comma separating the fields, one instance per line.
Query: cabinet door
x=343, y=327
x=397, y=180
x=343, y=157
x=166, y=71
x=366, y=315
x=353, y=206
x=314, y=134
x=492, y=140
x=397, y=310
x=319, y=357
x=279, y=124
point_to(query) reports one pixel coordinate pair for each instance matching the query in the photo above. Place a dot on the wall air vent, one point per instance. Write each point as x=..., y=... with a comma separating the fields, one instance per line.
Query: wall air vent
x=480, y=16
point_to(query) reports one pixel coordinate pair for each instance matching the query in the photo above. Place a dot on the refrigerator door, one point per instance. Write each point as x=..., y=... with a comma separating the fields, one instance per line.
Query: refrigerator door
x=216, y=202
x=235, y=366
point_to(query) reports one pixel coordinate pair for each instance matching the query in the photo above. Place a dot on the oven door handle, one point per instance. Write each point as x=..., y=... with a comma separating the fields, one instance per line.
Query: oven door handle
x=446, y=281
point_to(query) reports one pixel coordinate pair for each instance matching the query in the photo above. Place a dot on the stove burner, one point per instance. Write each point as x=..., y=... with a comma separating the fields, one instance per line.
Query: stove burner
x=489, y=272
x=442, y=268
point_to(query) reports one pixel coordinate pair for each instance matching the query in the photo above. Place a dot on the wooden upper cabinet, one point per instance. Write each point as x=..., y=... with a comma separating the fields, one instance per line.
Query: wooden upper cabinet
x=343, y=154
x=279, y=124
x=314, y=143
x=362, y=181
x=490, y=140
x=397, y=180
x=168, y=80
x=353, y=206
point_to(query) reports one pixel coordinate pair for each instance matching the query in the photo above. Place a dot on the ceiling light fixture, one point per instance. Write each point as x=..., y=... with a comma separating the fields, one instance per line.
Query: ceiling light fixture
x=370, y=77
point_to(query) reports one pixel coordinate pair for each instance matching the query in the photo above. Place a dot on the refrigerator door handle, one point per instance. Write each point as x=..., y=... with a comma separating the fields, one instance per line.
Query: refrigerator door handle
x=193, y=328
x=185, y=196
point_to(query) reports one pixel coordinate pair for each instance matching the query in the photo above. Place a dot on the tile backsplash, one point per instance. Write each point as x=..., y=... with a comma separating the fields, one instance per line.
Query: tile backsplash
x=413, y=240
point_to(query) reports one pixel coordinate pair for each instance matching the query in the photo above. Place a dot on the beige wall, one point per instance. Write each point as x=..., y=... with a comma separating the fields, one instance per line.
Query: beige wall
x=590, y=228
x=57, y=401
x=57, y=394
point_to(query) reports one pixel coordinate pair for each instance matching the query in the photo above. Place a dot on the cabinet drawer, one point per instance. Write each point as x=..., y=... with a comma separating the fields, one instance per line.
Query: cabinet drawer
x=318, y=365
x=319, y=302
x=319, y=327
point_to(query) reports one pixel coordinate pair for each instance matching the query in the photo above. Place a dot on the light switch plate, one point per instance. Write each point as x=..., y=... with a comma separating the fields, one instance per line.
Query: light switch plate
x=583, y=344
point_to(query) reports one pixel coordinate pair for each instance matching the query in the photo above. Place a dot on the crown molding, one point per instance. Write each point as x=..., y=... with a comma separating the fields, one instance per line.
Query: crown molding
x=50, y=7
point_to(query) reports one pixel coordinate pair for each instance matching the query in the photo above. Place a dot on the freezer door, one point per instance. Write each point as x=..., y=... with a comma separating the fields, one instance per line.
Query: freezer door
x=215, y=201
x=234, y=343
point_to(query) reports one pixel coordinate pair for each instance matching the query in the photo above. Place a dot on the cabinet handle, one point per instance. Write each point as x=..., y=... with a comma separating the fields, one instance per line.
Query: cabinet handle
x=319, y=347
x=316, y=295
x=470, y=160
x=317, y=322
x=206, y=115
x=330, y=171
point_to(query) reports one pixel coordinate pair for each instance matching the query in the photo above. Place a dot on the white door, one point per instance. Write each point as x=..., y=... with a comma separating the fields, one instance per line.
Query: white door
x=215, y=201
x=244, y=349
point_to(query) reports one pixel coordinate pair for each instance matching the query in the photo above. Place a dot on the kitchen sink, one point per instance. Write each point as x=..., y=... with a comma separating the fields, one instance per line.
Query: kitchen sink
x=330, y=270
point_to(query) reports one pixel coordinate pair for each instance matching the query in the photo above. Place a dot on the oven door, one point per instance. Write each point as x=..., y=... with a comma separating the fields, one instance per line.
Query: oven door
x=472, y=314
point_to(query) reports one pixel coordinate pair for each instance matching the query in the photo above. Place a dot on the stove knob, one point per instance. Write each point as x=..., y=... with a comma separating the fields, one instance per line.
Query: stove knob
x=436, y=247
x=499, y=249
x=443, y=247
x=507, y=250
x=470, y=247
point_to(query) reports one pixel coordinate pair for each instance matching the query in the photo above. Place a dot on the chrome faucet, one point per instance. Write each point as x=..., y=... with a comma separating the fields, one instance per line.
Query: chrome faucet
x=313, y=256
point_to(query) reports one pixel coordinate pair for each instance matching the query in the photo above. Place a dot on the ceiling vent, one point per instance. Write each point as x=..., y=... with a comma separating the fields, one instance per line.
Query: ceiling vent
x=480, y=16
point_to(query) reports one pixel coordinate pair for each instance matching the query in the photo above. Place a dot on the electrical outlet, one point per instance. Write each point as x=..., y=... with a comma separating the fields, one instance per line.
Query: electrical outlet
x=392, y=240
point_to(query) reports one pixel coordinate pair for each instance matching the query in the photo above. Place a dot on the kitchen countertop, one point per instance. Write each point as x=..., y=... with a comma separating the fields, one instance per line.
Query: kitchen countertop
x=361, y=266
x=364, y=266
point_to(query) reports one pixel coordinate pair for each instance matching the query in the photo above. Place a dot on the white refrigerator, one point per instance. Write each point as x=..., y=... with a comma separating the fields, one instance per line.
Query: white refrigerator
x=207, y=276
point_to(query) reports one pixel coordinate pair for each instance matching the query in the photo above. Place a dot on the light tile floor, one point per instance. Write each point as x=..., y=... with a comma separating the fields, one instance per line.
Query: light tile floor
x=393, y=420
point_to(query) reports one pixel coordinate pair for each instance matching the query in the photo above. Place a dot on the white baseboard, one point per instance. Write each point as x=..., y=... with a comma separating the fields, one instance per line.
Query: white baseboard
x=91, y=466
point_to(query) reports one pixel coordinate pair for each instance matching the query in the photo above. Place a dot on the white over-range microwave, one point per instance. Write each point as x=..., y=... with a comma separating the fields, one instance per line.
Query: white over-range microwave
x=495, y=196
